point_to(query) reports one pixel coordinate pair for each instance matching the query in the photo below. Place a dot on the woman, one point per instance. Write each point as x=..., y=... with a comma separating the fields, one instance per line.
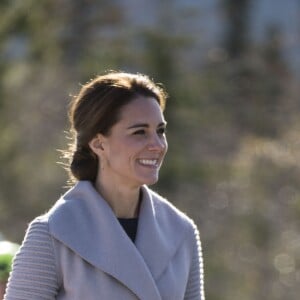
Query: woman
x=110, y=236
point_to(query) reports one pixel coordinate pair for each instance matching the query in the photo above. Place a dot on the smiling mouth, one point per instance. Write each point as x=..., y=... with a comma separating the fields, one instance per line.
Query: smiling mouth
x=149, y=162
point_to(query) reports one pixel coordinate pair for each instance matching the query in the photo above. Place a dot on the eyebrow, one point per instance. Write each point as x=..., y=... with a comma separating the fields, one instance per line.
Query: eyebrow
x=145, y=125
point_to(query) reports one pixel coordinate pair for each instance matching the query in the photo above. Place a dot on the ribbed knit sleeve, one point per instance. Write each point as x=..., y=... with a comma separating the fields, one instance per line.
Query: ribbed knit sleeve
x=195, y=285
x=34, y=273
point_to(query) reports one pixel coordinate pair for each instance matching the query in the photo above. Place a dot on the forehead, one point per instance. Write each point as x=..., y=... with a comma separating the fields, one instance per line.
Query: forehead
x=142, y=109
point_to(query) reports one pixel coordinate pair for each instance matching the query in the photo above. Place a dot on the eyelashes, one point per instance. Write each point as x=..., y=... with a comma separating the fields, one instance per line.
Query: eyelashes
x=160, y=131
x=139, y=132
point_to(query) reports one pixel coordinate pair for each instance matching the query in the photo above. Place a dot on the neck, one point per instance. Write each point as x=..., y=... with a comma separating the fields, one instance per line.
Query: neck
x=124, y=201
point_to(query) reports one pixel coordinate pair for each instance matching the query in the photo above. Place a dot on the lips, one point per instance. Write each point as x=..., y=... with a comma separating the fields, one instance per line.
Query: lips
x=149, y=162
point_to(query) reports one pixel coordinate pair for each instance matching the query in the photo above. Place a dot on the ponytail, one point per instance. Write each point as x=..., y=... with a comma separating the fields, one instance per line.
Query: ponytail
x=84, y=164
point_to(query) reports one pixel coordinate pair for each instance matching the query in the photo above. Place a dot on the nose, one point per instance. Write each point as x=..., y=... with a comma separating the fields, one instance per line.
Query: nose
x=158, y=143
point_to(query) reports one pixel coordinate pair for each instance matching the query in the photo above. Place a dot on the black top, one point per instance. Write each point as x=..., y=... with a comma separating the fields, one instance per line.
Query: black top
x=130, y=226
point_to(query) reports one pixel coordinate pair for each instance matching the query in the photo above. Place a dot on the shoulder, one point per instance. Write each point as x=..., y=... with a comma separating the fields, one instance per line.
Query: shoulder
x=34, y=270
x=164, y=206
x=168, y=213
x=37, y=245
x=38, y=226
x=68, y=205
x=38, y=233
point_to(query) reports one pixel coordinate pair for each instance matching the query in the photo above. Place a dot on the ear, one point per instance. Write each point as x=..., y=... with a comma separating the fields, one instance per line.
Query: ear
x=96, y=144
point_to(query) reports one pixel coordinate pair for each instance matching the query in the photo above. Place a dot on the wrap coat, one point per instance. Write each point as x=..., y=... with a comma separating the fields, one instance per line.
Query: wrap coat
x=78, y=250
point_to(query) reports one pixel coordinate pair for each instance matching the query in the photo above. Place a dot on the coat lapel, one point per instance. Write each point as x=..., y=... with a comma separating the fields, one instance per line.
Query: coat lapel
x=85, y=223
x=160, y=233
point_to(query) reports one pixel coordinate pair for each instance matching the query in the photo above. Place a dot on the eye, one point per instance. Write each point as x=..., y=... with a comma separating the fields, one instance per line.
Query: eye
x=161, y=130
x=139, y=132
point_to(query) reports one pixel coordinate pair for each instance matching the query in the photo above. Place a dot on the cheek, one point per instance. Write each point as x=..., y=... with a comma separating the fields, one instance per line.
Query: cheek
x=124, y=150
x=166, y=146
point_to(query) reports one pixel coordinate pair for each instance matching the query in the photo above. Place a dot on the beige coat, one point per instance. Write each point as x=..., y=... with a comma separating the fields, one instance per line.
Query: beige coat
x=78, y=250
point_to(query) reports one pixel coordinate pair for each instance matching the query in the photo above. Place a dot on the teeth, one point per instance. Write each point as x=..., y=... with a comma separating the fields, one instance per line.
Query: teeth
x=149, y=162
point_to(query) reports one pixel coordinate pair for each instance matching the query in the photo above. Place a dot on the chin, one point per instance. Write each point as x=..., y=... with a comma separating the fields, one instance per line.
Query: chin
x=147, y=178
x=150, y=181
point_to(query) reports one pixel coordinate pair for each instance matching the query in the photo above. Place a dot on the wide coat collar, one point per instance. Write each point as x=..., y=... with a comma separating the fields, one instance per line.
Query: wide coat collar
x=85, y=223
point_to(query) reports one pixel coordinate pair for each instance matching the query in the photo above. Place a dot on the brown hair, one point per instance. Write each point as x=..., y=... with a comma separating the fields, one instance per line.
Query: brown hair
x=96, y=109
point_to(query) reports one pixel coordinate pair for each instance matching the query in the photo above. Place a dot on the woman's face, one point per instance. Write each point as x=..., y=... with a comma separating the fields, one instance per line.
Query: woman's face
x=135, y=148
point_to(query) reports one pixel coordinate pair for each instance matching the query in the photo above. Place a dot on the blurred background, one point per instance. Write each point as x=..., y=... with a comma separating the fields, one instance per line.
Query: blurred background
x=232, y=70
